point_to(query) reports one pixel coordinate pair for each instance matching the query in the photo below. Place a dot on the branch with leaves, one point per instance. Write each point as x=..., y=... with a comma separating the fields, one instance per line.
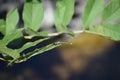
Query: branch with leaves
x=33, y=14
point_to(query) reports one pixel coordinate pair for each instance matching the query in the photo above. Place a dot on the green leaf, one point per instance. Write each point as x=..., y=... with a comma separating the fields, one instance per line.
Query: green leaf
x=59, y=15
x=69, y=11
x=33, y=33
x=30, y=44
x=92, y=11
x=2, y=26
x=7, y=52
x=14, y=35
x=112, y=11
x=42, y=50
x=63, y=15
x=33, y=15
x=111, y=31
x=11, y=21
x=36, y=52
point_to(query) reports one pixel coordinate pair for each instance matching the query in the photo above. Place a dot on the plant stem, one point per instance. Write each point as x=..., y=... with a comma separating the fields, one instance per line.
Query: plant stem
x=54, y=34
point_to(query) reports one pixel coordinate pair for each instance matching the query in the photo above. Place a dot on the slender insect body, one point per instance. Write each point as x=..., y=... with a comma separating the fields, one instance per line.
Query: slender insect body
x=59, y=42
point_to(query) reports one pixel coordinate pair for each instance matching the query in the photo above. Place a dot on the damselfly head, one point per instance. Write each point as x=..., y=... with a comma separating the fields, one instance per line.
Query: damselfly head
x=59, y=42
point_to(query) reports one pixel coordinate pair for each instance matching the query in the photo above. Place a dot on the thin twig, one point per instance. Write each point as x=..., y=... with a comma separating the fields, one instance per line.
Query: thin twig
x=75, y=32
x=54, y=34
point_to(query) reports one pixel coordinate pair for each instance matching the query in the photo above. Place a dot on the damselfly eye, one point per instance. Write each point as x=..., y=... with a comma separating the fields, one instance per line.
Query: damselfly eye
x=59, y=42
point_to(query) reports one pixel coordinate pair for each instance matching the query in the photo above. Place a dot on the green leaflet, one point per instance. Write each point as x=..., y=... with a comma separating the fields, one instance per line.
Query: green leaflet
x=8, y=29
x=92, y=11
x=11, y=21
x=12, y=36
x=33, y=33
x=111, y=31
x=69, y=11
x=7, y=52
x=41, y=50
x=2, y=26
x=30, y=44
x=112, y=11
x=33, y=15
x=63, y=15
x=59, y=15
x=35, y=52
